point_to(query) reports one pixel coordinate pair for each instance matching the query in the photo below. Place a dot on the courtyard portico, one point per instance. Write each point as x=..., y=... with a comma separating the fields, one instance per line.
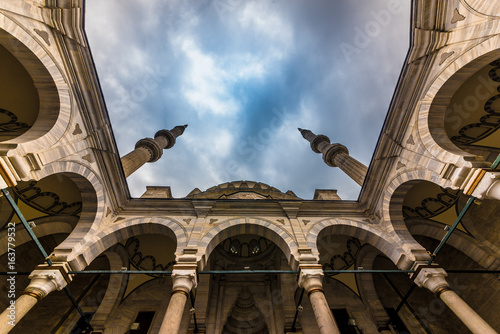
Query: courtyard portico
x=418, y=251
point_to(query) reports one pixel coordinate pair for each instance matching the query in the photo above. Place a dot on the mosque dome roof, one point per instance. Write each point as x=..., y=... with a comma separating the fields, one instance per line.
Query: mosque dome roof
x=242, y=190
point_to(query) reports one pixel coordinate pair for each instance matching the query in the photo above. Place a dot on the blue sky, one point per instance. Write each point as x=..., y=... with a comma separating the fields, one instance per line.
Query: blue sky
x=245, y=75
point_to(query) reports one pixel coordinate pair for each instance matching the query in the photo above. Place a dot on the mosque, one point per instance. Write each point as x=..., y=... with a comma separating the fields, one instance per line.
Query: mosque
x=418, y=252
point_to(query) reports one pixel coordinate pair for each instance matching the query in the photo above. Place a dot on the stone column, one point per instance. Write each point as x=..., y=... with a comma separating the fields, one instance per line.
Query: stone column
x=310, y=278
x=336, y=155
x=183, y=280
x=434, y=280
x=150, y=150
x=44, y=280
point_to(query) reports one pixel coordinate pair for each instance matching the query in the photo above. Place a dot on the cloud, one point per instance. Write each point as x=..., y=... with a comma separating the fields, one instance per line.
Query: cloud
x=246, y=67
x=244, y=79
x=264, y=20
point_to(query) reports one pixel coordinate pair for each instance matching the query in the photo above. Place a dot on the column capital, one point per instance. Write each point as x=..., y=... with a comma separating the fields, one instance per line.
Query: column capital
x=152, y=146
x=430, y=277
x=47, y=278
x=485, y=185
x=184, y=278
x=306, y=256
x=311, y=277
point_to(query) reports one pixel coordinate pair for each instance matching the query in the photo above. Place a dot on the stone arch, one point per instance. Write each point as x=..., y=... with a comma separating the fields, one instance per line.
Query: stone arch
x=392, y=206
x=431, y=114
x=399, y=186
x=402, y=255
x=117, y=257
x=261, y=227
x=90, y=185
x=99, y=242
x=366, y=285
x=483, y=250
x=54, y=94
x=468, y=245
x=93, y=202
x=486, y=8
x=44, y=226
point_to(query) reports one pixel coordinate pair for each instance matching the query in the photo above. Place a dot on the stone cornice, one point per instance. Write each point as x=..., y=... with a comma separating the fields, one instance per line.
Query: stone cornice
x=80, y=70
x=66, y=17
x=230, y=207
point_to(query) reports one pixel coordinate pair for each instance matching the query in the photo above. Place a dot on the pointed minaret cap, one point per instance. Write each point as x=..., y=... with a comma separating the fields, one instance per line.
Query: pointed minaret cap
x=336, y=155
x=178, y=130
x=170, y=135
x=315, y=140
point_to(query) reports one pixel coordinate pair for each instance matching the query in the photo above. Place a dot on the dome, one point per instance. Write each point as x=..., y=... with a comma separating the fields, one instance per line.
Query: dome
x=242, y=190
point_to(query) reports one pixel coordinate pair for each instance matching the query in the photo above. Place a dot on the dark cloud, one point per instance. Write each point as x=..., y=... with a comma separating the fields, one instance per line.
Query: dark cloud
x=245, y=75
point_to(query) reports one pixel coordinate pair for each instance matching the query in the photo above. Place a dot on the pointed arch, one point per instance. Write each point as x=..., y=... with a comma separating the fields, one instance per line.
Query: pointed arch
x=283, y=239
x=96, y=244
x=54, y=94
x=90, y=186
x=392, y=206
x=387, y=243
x=431, y=116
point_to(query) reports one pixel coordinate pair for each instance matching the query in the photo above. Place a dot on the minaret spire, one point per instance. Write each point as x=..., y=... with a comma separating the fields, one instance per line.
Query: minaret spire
x=336, y=155
x=150, y=150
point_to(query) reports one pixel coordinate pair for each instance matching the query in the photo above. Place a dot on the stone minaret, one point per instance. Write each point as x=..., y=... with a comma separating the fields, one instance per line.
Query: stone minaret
x=336, y=155
x=150, y=150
